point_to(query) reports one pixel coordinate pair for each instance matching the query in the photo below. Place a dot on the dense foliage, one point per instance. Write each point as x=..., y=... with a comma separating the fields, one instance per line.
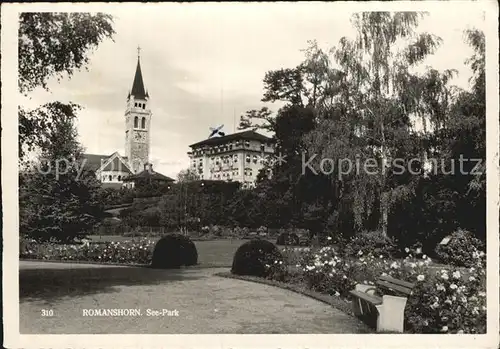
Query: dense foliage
x=174, y=251
x=286, y=238
x=258, y=258
x=461, y=250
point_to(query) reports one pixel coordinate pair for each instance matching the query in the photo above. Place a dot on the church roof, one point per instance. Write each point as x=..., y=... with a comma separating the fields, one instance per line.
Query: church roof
x=95, y=161
x=245, y=135
x=138, y=90
x=117, y=165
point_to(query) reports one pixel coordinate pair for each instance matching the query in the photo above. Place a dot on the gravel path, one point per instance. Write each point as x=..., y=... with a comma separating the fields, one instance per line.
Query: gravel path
x=203, y=303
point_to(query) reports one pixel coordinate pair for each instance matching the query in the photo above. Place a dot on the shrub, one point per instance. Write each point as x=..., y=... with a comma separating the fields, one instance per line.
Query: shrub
x=174, y=251
x=288, y=239
x=462, y=249
x=373, y=242
x=258, y=258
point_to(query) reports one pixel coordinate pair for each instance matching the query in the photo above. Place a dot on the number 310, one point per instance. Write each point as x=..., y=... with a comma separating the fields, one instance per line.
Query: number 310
x=49, y=312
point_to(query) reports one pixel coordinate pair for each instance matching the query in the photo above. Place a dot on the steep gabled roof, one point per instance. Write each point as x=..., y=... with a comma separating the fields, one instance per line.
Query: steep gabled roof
x=138, y=90
x=113, y=162
x=245, y=135
x=94, y=162
x=118, y=164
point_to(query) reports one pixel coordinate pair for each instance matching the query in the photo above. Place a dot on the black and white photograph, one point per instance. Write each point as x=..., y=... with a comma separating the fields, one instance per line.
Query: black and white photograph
x=250, y=169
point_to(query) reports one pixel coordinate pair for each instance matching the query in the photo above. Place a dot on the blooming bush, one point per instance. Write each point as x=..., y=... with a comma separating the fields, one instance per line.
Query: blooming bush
x=462, y=249
x=444, y=300
x=373, y=242
x=127, y=252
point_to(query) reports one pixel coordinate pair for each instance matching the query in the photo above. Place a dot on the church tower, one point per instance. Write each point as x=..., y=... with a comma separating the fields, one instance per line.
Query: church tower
x=137, y=123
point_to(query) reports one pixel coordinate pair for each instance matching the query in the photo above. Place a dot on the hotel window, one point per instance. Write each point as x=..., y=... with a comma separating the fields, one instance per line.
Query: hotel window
x=254, y=159
x=119, y=178
x=135, y=105
x=247, y=144
x=136, y=122
x=247, y=158
x=110, y=178
x=235, y=158
x=143, y=123
x=143, y=105
x=262, y=147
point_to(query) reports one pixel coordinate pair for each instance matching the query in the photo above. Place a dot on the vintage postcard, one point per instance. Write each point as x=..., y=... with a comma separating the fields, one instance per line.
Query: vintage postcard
x=242, y=175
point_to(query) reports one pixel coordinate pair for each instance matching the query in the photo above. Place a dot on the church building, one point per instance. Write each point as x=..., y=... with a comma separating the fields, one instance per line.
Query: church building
x=115, y=170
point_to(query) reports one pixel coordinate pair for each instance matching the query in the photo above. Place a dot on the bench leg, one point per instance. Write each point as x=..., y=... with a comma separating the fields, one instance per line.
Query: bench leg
x=391, y=314
x=366, y=312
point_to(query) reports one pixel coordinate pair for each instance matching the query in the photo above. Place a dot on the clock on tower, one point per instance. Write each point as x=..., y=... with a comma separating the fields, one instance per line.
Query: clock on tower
x=138, y=122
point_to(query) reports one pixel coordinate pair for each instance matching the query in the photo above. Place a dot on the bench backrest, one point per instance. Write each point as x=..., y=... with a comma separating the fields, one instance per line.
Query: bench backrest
x=391, y=285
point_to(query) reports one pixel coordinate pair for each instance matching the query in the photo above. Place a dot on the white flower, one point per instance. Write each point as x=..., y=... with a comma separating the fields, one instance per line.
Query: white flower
x=453, y=286
x=444, y=329
x=407, y=250
x=421, y=277
x=440, y=287
x=394, y=265
x=460, y=332
x=482, y=294
x=444, y=276
x=384, y=274
x=463, y=299
x=424, y=256
x=448, y=301
x=434, y=305
x=337, y=294
x=329, y=238
x=360, y=253
x=344, y=277
x=472, y=278
x=412, y=265
x=381, y=256
x=456, y=274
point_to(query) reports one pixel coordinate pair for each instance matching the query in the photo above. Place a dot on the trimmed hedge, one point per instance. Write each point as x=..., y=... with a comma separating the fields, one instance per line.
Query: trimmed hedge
x=258, y=258
x=174, y=251
x=287, y=239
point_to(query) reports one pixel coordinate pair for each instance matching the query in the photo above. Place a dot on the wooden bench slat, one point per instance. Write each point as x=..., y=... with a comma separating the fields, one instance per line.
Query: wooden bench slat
x=367, y=297
x=390, y=286
x=397, y=281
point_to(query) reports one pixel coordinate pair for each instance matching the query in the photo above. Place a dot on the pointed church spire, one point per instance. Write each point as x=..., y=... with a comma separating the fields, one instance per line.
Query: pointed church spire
x=138, y=90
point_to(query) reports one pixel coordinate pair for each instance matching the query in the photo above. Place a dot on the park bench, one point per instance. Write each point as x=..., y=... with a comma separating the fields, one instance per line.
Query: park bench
x=382, y=306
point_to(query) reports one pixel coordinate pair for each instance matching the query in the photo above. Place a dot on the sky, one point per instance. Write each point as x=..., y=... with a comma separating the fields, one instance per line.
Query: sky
x=203, y=66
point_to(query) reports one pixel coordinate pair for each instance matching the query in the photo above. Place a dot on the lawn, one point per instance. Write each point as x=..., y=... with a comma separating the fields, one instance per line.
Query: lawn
x=211, y=253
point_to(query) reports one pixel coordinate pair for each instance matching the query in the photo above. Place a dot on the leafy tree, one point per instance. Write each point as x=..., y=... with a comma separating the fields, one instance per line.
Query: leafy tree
x=187, y=175
x=52, y=45
x=374, y=105
x=58, y=197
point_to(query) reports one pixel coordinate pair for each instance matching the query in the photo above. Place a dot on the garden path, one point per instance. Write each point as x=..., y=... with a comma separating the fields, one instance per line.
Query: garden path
x=205, y=303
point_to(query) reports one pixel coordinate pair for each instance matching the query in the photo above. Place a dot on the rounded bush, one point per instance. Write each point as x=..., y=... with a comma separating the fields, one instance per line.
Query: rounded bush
x=174, y=251
x=372, y=242
x=257, y=258
x=462, y=250
x=288, y=239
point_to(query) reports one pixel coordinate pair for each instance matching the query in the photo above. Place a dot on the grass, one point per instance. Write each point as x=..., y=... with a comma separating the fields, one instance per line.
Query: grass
x=211, y=253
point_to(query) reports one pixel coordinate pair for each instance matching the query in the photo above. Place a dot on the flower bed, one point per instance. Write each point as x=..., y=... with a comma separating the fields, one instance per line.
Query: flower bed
x=446, y=299
x=124, y=252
